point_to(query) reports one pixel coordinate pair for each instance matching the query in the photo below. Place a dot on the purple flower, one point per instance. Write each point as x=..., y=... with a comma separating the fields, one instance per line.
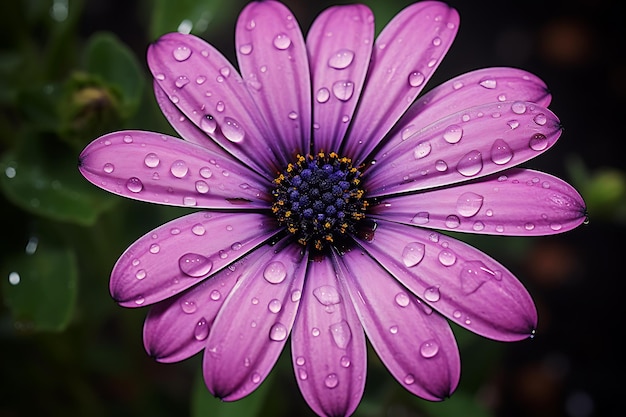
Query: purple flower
x=323, y=177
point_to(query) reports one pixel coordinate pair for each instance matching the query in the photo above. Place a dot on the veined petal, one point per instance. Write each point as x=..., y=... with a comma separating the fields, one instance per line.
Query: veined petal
x=162, y=169
x=177, y=327
x=178, y=254
x=252, y=328
x=406, y=54
x=456, y=279
x=340, y=46
x=273, y=61
x=469, y=144
x=483, y=86
x=519, y=202
x=328, y=344
x=210, y=92
x=415, y=343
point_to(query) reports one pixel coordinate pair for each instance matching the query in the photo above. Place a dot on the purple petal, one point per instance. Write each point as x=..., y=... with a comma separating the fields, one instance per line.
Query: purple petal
x=489, y=85
x=210, y=92
x=161, y=169
x=179, y=254
x=177, y=327
x=273, y=61
x=340, y=47
x=469, y=144
x=520, y=202
x=328, y=344
x=252, y=328
x=415, y=343
x=459, y=281
x=406, y=54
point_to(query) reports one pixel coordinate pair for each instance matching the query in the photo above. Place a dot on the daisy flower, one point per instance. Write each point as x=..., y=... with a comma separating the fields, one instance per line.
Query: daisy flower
x=322, y=176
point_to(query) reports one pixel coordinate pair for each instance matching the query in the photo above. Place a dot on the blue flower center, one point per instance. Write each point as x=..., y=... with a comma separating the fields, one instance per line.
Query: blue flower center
x=319, y=199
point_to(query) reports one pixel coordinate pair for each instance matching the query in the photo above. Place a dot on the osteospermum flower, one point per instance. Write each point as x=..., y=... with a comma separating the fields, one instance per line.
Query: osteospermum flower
x=322, y=178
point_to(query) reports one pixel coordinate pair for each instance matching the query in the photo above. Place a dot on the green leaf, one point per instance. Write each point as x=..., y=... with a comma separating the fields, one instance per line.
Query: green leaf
x=39, y=288
x=204, y=404
x=193, y=16
x=41, y=176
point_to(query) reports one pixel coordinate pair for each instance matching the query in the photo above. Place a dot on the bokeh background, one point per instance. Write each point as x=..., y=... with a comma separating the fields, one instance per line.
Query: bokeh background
x=73, y=69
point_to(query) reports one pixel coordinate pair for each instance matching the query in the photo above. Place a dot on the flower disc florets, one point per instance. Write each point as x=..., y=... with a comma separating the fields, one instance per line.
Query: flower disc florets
x=319, y=198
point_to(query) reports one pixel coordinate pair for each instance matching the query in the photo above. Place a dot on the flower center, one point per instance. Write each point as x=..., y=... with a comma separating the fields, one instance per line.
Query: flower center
x=319, y=199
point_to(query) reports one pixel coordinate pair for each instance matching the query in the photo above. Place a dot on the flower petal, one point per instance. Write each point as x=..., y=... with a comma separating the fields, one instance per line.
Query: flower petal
x=177, y=327
x=406, y=54
x=273, y=61
x=459, y=281
x=340, y=47
x=210, y=92
x=178, y=254
x=488, y=85
x=520, y=202
x=415, y=344
x=469, y=144
x=252, y=328
x=328, y=344
x=161, y=169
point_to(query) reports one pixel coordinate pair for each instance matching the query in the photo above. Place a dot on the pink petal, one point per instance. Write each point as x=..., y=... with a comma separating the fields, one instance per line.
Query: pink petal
x=340, y=47
x=414, y=343
x=469, y=144
x=251, y=329
x=210, y=92
x=161, y=169
x=457, y=280
x=177, y=327
x=489, y=85
x=519, y=202
x=406, y=54
x=273, y=61
x=328, y=344
x=179, y=254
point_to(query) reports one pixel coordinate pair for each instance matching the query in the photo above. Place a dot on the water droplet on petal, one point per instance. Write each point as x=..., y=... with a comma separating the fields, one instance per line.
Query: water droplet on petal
x=198, y=229
x=179, y=168
x=322, y=95
x=453, y=134
x=429, y=348
x=275, y=272
x=188, y=307
x=208, y=124
x=441, y=166
x=245, y=49
x=474, y=274
x=468, y=204
x=421, y=218
x=416, y=79
x=151, y=160
x=422, y=150
x=341, y=59
x=344, y=362
x=108, y=168
x=331, y=381
x=134, y=185
x=447, y=257
x=274, y=306
x=202, y=187
x=205, y=172
x=540, y=119
x=341, y=333
x=402, y=299
x=409, y=379
x=141, y=274
x=282, y=41
x=327, y=295
x=140, y=300
x=215, y=295
x=518, y=107
x=453, y=221
x=343, y=90
x=195, y=265
x=278, y=332
x=181, y=81
x=501, y=152
x=413, y=253
x=489, y=83
x=300, y=361
x=201, y=331
x=232, y=130
x=432, y=294
x=470, y=164
x=315, y=331
x=181, y=53
x=538, y=142
x=154, y=248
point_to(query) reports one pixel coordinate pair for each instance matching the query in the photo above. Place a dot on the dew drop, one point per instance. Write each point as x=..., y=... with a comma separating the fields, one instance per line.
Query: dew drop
x=470, y=164
x=432, y=294
x=344, y=362
x=300, y=361
x=409, y=379
x=421, y=218
x=205, y=172
x=341, y=59
x=140, y=300
x=341, y=333
x=202, y=187
x=478, y=226
x=278, y=332
x=181, y=53
x=151, y=160
x=255, y=378
x=195, y=265
x=327, y=295
x=501, y=152
x=453, y=134
x=141, y=274
x=518, y=107
x=245, y=49
x=208, y=124
x=540, y=119
x=179, y=168
x=343, y=90
x=413, y=253
x=429, y=348
x=302, y=374
x=215, y=295
x=315, y=331
x=275, y=272
x=331, y=381
x=441, y=166
x=274, y=306
x=447, y=257
x=189, y=201
x=134, y=185
x=453, y=221
x=108, y=168
x=322, y=95
x=154, y=249
x=393, y=330
x=538, y=142
x=474, y=274
x=422, y=150
x=181, y=81
x=402, y=299
x=188, y=307
x=198, y=229
x=296, y=295
x=128, y=139
x=201, y=331
x=468, y=204
x=232, y=130
x=488, y=83
x=282, y=42
x=416, y=79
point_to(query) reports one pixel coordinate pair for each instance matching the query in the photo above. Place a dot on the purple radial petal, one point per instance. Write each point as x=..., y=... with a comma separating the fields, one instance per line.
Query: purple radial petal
x=406, y=54
x=177, y=327
x=340, y=47
x=161, y=169
x=489, y=85
x=469, y=144
x=273, y=61
x=210, y=92
x=415, y=343
x=456, y=279
x=179, y=254
x=519, y=202
x=328, y=344
x=252, y=328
